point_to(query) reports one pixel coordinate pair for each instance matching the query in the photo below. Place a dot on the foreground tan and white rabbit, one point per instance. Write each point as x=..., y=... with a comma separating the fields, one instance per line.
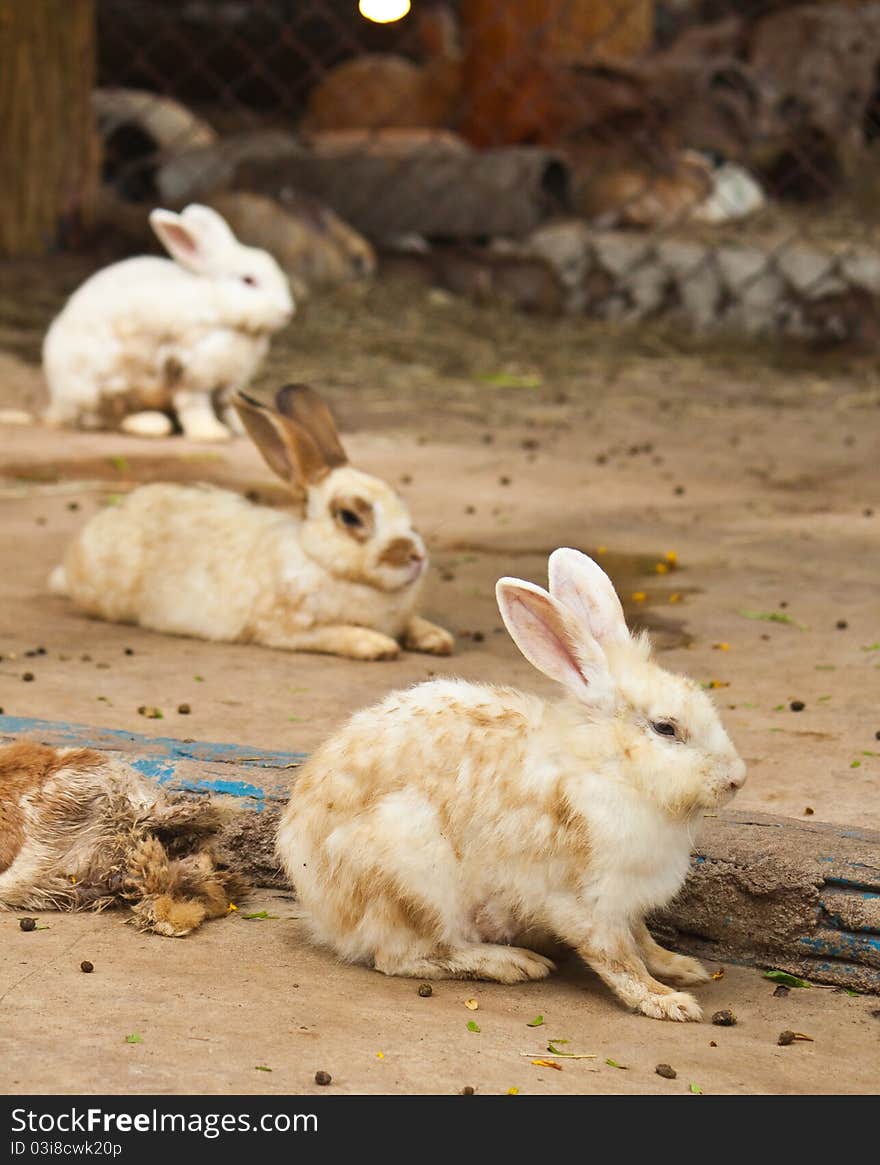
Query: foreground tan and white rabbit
x=342, y=578
x=148, y=335
x=82, y=831
x=454, y=818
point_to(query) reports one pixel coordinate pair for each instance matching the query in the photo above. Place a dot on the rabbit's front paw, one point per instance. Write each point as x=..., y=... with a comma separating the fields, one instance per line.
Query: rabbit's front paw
x=147, y=424
x=422, y=635
x=677, y=1006
x=363, y=643
x=524, y=965
x=684, y=970
x=207, y=429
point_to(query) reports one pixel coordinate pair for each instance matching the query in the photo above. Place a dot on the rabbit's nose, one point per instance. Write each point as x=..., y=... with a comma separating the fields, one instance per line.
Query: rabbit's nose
x=738, y=776
x=402, y=552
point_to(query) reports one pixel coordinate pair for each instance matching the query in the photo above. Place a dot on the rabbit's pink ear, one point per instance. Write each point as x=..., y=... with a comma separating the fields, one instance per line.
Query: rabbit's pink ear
x=587, y=592
x=181, y=240
x=548, y=636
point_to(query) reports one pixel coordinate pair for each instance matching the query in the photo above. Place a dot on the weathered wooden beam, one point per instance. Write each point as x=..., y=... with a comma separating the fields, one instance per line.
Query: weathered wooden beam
x=429, y=189
x=767, y=891
x=259, y=777
x=775, y=891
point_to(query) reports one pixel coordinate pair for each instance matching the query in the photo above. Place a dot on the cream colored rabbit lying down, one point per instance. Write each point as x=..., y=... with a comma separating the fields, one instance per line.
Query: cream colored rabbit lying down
x=453, y=819
x=343, y=578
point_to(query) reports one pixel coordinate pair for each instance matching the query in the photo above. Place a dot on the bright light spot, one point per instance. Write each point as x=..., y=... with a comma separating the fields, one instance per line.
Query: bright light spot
x=383, y=11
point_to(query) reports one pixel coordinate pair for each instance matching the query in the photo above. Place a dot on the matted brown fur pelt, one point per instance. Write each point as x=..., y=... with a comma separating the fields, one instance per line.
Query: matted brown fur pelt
x=80, y=830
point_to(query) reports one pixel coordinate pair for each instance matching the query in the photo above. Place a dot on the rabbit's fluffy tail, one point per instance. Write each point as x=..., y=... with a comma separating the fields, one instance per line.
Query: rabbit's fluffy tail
x=58, y=581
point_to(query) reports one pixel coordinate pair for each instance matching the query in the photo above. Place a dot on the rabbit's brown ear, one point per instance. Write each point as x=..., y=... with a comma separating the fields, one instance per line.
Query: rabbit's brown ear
x=302, y=405
x=287, y=448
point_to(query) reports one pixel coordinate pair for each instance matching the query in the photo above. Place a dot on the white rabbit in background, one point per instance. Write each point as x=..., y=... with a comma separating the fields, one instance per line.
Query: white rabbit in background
x=151, y=336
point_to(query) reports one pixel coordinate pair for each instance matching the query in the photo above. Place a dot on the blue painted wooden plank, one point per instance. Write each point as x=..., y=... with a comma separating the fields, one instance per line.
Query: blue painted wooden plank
x=188, y=765
x=871, y=887
x=838, y=944
x=87, y=736
x=862, y=978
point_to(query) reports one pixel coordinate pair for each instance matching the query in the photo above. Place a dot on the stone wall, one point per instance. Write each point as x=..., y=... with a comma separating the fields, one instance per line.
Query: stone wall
x=796, y=291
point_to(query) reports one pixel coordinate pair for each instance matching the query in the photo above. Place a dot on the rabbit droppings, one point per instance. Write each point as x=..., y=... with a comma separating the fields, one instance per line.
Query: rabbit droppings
x=150, y=335
x=343, y=578
x=453, y=818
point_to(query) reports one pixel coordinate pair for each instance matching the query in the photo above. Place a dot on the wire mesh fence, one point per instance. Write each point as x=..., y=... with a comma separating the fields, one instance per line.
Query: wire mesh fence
x=711, y=159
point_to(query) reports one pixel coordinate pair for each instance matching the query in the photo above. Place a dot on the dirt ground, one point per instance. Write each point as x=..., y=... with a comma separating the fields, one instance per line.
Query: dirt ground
x=508, y=436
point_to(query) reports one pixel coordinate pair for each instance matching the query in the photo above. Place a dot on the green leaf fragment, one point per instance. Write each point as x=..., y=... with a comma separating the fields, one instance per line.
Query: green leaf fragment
x=259, y=914
x=855, y=764
x=509, y=380
x=261, y=1068
x=120, y=463
x=134, y=1038
x=772, y=617
x=696, y=1089
x=786, y=979
x=872, y=647
x=614, y=1064
x=473, y=1026
x=536, y=1022
x=199, y=679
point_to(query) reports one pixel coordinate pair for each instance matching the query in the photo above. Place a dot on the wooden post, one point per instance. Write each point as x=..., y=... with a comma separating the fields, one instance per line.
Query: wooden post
x=48, y=156
x=518, y=53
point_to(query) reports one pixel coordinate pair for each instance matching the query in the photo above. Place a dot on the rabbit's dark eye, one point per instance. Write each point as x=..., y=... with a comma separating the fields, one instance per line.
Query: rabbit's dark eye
x=664, y=728
x=249, y=280
x=355, y=516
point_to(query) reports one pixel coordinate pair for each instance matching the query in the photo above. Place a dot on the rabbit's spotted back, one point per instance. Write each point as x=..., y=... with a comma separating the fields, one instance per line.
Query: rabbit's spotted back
x=453, y=818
